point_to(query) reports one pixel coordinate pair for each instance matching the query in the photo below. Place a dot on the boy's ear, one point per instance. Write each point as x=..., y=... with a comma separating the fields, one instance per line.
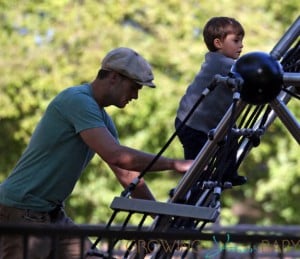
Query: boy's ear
x=218, y=43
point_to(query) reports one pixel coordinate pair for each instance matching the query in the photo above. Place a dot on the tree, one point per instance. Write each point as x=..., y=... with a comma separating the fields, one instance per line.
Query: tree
x=47, y=46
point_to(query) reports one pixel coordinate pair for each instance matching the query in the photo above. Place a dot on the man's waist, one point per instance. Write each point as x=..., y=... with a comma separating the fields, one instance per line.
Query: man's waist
x=35, y=215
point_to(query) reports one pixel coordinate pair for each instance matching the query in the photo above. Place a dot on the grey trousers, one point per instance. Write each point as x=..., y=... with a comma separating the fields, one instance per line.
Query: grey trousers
x=38, y=247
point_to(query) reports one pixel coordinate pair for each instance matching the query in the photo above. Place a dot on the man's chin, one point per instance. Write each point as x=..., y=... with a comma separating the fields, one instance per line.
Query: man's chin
x=121, y=106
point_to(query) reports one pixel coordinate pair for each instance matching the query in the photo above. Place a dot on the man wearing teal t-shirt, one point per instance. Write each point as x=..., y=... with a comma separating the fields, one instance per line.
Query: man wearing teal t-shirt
x=74, y=127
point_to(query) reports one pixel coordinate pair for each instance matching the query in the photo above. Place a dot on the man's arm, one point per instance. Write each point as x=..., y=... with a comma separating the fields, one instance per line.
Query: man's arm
x=125, y=177
x=104, y=144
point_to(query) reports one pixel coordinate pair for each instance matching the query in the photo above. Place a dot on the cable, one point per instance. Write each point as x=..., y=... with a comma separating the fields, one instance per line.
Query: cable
x=127, y=192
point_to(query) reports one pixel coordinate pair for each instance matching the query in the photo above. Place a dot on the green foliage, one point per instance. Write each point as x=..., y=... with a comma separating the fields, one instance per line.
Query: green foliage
x=47, y=46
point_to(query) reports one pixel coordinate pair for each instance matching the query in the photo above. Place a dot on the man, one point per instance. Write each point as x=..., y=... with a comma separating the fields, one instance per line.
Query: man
x=74, y=127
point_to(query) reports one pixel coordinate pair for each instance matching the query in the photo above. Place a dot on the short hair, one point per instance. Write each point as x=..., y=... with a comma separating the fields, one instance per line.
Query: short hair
x=102, y=73
x=220, y=27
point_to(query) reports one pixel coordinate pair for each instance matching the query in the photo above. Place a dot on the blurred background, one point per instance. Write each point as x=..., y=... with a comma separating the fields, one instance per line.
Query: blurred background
x=46, y=46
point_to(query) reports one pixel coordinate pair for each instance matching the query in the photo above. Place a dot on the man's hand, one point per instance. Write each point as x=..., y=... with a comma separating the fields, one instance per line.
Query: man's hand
x=181, y=166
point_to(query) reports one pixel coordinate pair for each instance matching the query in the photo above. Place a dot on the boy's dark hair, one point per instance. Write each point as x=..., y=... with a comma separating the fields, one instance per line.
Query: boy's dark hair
x=220, y=27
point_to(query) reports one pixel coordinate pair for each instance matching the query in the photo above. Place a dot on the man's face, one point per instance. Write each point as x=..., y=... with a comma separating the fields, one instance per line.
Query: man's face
x=125, y=90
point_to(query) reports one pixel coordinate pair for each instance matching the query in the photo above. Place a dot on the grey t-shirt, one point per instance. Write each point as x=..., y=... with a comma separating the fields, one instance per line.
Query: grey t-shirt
x=209, y=113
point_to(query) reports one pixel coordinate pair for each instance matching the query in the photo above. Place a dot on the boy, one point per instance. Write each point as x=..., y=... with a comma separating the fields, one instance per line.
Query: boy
x=223, y=37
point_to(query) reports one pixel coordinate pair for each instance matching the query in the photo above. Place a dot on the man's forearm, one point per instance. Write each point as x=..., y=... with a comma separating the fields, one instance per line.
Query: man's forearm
x=126, y=177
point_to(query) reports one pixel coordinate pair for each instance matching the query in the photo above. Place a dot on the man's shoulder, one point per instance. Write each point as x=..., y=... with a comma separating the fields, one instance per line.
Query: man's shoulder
x=77, y=89
x=73, y=92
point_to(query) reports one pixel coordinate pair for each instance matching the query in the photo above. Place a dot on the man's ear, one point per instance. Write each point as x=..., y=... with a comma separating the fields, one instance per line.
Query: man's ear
x=114, y=77
x=218, y=43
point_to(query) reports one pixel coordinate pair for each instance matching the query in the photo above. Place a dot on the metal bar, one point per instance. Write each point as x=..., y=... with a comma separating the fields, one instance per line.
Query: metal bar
x=274, y=232
x=286, y=40
x=291, y=79
x=163, y=208
x=287, y=118
x=283, y=97
x=205, y=154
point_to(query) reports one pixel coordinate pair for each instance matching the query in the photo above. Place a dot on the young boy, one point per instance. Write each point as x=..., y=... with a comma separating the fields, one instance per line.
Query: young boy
x=223, y=37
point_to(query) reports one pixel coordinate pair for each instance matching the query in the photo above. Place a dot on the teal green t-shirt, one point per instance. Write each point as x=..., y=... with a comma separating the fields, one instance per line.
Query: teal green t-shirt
x=55, y=157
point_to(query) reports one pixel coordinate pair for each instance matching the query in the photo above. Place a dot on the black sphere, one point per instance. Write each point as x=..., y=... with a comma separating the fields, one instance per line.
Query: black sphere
x=262, y=75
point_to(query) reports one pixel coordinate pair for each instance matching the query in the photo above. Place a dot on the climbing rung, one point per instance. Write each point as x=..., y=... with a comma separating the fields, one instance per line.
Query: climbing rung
x=161, y=208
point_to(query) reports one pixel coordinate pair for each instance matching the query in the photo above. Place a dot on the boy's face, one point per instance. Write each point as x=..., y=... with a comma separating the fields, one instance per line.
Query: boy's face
x=231, y=46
